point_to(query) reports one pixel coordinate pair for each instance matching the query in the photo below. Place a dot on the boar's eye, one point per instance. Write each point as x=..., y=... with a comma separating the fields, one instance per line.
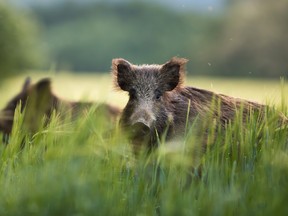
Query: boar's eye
x=158, y=94
x=132, y=93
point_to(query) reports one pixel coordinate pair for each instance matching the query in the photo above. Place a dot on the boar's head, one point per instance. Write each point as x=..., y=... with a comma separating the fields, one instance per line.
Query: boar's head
x=147, y=114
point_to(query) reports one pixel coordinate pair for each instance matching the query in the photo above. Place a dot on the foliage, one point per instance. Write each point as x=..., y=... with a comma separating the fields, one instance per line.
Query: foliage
x=253, y=40
x=19, y=48
x=86, y=37
x=247, y=39
x=81, y=169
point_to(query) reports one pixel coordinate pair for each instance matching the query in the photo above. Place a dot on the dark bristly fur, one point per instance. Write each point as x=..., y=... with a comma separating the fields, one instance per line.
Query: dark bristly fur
x=159, y=102
x=39, y=101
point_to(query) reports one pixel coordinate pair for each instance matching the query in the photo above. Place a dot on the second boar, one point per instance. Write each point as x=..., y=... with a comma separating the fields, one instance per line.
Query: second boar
x=39, y=101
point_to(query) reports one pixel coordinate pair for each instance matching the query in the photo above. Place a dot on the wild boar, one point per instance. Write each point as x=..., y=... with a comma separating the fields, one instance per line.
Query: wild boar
x=160, y=105
x=39, y=101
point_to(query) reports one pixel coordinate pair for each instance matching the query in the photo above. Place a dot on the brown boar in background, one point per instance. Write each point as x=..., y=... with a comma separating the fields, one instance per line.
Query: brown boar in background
x=39, y=101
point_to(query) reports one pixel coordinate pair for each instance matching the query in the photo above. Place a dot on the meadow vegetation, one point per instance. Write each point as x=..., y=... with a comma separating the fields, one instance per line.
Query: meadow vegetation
x=85, y=168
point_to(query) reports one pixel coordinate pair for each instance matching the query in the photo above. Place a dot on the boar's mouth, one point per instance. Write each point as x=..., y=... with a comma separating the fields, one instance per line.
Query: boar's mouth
x=142, y=135
x=6, y=119
x=140, y=129
x=6, y=122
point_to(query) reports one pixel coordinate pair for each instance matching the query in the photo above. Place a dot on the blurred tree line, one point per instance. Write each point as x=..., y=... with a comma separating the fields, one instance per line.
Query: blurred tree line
x=253, y=39
x=87, y=37
x=248, y=38
x=19, y=42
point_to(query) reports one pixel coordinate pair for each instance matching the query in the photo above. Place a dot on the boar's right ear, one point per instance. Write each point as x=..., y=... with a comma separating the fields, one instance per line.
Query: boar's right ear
x=172, y=73
x=121, y=70
x=26, y=84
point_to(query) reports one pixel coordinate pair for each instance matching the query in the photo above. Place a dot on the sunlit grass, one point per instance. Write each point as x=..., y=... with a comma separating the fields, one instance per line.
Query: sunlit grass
x=99, y=87
x=81, y=168
x=94, y=87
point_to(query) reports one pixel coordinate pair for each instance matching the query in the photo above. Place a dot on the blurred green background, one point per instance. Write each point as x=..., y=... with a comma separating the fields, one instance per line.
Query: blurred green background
x=238, y=48
x=220, y=37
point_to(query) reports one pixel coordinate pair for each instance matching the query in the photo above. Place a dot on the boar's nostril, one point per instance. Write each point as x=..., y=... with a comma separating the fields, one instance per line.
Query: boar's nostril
x=140, y=128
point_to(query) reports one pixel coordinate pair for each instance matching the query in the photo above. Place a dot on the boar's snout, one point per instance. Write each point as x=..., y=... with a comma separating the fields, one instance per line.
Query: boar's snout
x=143, y=117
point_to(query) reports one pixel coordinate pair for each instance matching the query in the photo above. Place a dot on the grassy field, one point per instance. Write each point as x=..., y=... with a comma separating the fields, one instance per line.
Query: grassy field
x=81, y=168
x=99, y=87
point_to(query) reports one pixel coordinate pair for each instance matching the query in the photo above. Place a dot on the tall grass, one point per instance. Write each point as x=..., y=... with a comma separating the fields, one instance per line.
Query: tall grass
x=86, y=168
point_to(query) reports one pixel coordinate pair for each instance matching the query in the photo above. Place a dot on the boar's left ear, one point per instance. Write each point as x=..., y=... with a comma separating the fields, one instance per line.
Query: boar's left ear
x=42, y=89
x=172, y=73
x=40, y=95
x=121, y=70
x=43, y=85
